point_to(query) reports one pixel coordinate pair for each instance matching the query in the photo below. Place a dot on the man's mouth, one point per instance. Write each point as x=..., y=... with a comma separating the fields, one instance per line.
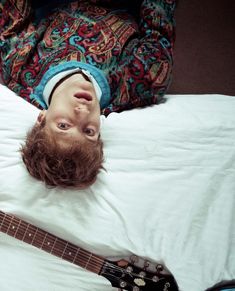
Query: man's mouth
x=83, y=96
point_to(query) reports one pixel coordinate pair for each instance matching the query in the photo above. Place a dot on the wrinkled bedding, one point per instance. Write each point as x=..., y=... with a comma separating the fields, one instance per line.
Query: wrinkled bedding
x=167, y=195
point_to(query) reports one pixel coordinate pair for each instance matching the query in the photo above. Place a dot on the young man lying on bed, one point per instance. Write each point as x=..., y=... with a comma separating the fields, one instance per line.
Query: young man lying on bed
x=78, y=60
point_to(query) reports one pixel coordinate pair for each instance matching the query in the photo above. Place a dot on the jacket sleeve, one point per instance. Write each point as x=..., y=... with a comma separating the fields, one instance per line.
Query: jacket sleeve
x=145, y=69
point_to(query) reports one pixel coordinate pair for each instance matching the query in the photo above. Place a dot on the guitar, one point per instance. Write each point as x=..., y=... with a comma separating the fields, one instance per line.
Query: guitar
x=122, y=274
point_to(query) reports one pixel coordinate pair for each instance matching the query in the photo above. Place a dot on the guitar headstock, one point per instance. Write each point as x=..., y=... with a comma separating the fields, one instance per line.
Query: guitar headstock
x=127, y=276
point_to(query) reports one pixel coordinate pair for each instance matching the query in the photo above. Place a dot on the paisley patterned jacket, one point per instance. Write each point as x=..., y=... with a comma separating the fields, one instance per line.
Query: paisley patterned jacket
x=136, y=59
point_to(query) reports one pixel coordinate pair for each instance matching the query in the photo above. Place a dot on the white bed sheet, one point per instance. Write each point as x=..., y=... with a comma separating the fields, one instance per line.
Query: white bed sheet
x=168, y=194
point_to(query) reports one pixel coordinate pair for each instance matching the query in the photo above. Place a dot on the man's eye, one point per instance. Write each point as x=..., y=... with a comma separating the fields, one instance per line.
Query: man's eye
x=63, y=126
x=89, y=132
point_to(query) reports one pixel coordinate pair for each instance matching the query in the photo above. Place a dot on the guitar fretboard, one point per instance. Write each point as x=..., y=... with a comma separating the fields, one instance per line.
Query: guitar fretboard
x=50, y=243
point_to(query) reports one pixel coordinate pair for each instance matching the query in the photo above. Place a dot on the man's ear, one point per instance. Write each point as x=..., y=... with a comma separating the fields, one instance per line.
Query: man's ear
x=41, y=117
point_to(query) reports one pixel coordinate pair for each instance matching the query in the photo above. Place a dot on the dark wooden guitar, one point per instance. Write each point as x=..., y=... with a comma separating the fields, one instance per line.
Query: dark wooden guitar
x=122, y=274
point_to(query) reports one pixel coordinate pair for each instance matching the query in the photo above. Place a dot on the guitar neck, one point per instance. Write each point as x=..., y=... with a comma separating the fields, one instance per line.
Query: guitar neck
x=121, y=274
x=50, y=243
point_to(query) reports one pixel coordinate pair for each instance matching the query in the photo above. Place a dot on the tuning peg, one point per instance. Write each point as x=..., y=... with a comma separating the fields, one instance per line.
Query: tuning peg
x=155, y=278
x=134, y=259
x=129, y=269
x=122, y=284
x=159, y=268
x=142, y=274
x=146, y=264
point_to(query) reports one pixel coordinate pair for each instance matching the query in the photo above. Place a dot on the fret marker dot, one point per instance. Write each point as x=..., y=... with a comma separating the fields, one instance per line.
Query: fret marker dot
x=30, y=234
x=13, y=227
x=70, y=253
x=48, y=243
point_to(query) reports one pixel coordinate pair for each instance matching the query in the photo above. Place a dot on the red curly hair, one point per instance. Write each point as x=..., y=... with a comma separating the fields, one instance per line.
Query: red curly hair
x=74, y=166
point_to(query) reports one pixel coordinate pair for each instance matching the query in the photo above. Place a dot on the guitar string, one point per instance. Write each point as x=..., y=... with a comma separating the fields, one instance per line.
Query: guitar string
x=95, y=267
x=10, y=219
x=135, y=274
x=117, y=279
x=37, y=231
x=60, y=242
x=109, y=266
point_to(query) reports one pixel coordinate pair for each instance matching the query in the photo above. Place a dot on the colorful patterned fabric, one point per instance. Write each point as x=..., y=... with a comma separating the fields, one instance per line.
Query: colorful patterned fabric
x=136, y=59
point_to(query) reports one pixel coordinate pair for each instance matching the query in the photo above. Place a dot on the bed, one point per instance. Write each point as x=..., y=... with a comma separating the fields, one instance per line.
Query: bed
x=167, y=195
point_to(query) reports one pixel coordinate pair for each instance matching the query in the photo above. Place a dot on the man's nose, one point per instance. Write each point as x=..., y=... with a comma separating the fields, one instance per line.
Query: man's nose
x=81, y=110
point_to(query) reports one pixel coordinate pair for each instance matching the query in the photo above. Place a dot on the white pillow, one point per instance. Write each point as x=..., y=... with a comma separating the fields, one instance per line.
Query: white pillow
x=167, y=195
